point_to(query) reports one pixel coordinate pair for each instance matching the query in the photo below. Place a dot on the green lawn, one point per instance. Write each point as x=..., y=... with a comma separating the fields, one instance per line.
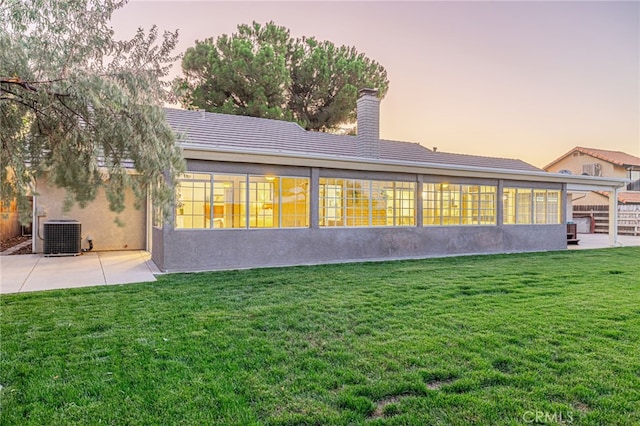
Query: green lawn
x=509, y=339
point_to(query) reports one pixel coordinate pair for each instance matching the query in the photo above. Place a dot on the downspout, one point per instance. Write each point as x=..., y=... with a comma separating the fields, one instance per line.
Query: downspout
x=35, y=223
x=613, y=217
x=149, y=222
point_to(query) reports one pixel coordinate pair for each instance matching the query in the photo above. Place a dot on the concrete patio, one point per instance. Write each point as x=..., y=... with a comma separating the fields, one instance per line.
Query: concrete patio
x=34, y=272
x=594, y=241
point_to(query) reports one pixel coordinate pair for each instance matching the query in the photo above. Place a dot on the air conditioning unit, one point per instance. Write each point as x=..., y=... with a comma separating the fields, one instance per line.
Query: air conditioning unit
x=62, y=237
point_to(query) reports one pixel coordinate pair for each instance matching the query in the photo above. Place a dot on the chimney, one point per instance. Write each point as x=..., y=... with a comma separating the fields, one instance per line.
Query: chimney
x=368, y=121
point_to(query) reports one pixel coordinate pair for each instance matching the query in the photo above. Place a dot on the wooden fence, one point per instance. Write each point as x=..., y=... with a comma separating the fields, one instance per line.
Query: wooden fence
x=628, y=218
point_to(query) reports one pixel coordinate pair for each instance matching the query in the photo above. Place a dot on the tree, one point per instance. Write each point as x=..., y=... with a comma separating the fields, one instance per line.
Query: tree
x=81, y=107
x=262, y=71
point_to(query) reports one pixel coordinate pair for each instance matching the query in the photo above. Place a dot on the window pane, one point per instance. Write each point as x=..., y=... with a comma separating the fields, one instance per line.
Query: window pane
x=540, y=206
x=357, y=201
x=523, y=206
x=430, y=204
x=553, y=207
x=509, y=206
x=381, y=203
x=229, y=199
x=193, y=206
x=488, y=205
x=470, y=204
x=451, y=204
x=294, y=196
x=331, y=202
x=404, y=204
x=262, y=213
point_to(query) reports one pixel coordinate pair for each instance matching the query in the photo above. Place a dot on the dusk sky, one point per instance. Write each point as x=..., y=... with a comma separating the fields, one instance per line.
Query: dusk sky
x=526, y=80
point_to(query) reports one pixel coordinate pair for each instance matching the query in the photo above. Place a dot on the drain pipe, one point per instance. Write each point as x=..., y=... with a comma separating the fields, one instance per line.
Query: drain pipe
x=34, y=220
x=90, y=241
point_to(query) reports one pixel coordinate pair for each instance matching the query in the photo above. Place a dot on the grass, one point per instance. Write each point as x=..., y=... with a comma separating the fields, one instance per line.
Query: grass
x=509, y=339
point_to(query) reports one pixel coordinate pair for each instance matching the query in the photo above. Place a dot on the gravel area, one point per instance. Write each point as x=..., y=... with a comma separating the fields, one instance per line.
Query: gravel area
x=12, y=242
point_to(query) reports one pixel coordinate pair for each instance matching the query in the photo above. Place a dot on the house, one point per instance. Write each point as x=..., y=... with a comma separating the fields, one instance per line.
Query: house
x=594, y=204
x=599, y=162
x=261, y=192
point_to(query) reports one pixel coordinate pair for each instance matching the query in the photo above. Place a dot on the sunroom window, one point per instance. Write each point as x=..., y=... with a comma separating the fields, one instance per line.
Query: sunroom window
x=194, y=197
x=527, y=206
x=454, y=204
x=359, y=202
x=232, y=201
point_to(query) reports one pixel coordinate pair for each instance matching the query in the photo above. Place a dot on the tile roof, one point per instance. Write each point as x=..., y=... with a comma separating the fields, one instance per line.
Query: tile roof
x=624, y=197
x=220, y=131
x=615, y=157
x=629, y=197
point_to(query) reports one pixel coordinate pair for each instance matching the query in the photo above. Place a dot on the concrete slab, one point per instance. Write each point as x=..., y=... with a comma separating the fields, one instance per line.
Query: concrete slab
x=593, y=241
x=66, y=272
x=121, y=267
x=23, y=273
x=14, y=271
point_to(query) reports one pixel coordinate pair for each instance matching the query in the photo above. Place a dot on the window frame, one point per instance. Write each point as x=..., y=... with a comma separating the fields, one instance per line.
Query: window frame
x=244, y=216
x=540, y=210
x=458, y=204
x=375, y=191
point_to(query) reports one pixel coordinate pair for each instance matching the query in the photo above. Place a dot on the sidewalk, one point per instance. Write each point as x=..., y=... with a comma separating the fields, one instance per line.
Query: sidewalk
x=34, y=272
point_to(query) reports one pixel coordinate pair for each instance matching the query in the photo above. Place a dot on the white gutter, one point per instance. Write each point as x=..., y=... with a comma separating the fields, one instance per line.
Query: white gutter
x=206, y=152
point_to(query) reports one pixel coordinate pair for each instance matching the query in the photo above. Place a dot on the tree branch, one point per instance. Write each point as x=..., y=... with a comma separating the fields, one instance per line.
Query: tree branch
x=30, y=85
x=19, y=99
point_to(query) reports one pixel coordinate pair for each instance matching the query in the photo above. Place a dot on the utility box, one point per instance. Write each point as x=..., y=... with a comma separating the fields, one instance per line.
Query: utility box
x=62, y=238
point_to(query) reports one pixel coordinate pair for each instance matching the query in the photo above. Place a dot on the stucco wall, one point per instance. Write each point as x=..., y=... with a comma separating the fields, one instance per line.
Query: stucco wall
x=590, y=199
x=575, y=163
x=96, y=219
x=196, y=250
x=157, y=247
x=217, y=249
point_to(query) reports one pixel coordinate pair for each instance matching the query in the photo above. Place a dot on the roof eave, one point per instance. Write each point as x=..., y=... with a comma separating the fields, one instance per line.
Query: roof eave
x=199, y=152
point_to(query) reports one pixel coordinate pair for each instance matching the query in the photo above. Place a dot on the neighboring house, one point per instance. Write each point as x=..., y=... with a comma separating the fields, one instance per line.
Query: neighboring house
x=591, y=208
x=261, y=192
x=599, y=162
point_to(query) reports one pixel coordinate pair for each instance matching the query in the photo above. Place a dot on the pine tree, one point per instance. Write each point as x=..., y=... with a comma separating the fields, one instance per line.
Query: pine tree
x=261, y=71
